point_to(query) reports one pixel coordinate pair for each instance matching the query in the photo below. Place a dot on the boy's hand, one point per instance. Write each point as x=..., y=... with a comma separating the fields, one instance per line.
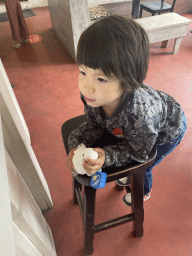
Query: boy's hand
x=92, y=166
x=69, y=159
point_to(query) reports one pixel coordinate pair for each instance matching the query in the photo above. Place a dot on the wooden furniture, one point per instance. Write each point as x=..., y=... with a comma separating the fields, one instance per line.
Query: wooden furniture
x=24, y=192
x=164, y=27
x=136, y=172
x=156, y=7
x=130, y=8
x=69, y=19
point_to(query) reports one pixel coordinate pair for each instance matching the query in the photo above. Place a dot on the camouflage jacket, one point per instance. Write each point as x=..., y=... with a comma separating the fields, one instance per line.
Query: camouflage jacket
x=142, y=119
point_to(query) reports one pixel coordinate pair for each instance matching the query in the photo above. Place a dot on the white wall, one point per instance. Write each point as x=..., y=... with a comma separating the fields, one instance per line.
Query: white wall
x=93, y=3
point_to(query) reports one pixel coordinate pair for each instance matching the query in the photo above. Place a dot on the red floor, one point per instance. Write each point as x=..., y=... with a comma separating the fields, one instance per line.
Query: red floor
x=45, y=79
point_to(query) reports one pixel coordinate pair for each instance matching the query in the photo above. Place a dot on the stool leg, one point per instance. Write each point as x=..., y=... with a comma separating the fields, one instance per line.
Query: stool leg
x=89, y=218
x=76, y=184
x=137, y=186
x=117, y=187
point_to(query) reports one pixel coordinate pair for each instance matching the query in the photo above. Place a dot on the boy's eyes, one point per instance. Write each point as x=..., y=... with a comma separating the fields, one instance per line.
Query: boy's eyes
x=102, y=80
x=99, y=79
x=81, y=72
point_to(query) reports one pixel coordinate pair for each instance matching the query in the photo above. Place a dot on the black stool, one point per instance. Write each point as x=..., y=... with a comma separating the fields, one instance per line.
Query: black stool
x=135, y=170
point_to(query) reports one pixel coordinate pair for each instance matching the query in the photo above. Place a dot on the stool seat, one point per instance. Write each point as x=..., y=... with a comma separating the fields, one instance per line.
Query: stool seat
x=115, y=173
x=134, y=170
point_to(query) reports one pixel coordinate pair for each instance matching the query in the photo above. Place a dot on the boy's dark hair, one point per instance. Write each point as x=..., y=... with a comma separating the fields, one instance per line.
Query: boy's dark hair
x=118, y=46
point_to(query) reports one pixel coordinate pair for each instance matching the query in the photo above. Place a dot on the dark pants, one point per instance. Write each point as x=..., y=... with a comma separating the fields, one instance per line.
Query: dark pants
x=17, y=22
x=162, y=152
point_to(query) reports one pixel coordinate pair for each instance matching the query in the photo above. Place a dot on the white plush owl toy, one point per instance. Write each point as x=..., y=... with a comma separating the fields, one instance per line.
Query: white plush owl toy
x=80, y=155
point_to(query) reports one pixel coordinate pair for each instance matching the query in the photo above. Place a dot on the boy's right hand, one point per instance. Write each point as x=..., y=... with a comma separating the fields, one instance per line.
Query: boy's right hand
x=69, y=159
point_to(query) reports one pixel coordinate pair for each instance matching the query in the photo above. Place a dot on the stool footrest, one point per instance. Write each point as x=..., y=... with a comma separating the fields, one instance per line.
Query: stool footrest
x=80, y=201
x=114, y=222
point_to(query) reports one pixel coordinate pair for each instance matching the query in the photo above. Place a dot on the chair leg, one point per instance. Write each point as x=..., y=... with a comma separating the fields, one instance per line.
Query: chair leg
x=140, y=14
x=89, y=218
x=118, y=188
x=137, y=185
x=76, y=184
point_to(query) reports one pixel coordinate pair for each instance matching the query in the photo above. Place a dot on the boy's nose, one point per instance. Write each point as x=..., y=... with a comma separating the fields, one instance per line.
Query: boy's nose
x=89, y=88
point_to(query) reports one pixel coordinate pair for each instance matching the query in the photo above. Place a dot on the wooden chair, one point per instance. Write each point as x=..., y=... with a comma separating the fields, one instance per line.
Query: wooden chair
x=136, y=172
x=156, y=7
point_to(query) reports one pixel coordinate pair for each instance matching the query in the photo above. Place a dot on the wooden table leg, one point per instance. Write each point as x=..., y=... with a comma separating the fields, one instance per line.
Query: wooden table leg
x=164, y=44
x=177, y=45
x=89, y=218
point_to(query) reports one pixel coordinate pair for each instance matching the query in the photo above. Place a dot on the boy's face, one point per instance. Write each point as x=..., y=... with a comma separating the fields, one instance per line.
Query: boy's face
x=98, y=89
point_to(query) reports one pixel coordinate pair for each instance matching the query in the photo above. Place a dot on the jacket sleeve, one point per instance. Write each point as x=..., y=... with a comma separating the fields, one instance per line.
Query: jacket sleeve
x=141, y=123
x=136, y=145
x=87, y=133
x=124, y=152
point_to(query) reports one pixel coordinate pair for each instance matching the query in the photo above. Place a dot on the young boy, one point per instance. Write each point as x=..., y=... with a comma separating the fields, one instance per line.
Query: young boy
x=125, y=117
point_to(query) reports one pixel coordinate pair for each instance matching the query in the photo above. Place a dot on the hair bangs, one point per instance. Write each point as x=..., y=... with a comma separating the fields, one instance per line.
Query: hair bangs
x=93, y=51
x=117, y=46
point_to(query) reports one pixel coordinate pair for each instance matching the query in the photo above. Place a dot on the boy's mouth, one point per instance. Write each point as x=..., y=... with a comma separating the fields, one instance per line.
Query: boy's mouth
x=89, y=100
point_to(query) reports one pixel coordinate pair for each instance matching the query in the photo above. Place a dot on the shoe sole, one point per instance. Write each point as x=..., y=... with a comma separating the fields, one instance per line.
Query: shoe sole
x=129, y=204
x=122, y=184
x=145, y=198
x=125, y=202
x=26, y=42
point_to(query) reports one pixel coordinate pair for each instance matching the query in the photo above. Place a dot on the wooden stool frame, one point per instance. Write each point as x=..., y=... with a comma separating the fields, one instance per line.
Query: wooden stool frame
x=134, y=170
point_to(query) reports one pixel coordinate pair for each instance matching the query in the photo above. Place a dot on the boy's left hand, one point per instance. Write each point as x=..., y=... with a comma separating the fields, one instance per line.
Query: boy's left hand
x=92, y=166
